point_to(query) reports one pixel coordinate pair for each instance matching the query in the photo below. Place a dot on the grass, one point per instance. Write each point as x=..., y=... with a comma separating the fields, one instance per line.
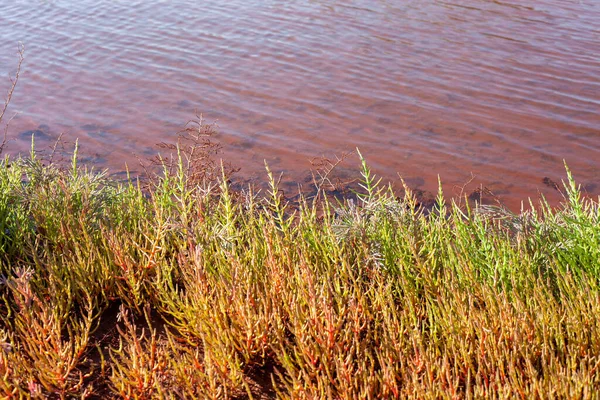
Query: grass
x=185, y=288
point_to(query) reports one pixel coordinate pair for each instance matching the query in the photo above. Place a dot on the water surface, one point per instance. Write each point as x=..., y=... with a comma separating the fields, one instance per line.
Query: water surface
x=504, y=90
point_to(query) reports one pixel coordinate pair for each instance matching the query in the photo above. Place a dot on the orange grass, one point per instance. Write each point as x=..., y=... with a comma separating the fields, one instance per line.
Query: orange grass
x=226, y=294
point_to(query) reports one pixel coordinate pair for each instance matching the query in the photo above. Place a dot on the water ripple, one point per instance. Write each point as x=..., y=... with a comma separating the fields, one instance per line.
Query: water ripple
x=503, y=88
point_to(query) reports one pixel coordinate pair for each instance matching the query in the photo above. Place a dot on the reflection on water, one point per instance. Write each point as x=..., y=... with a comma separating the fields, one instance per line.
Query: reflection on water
x=503, y=89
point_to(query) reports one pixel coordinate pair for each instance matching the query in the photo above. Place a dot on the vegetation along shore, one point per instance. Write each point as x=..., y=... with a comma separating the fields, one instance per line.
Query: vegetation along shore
x=185, y=288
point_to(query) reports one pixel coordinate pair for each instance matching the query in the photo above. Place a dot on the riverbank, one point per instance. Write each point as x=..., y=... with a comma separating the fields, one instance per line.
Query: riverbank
x=186, y=288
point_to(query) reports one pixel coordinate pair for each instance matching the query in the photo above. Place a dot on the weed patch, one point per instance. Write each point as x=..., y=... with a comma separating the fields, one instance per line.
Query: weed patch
x=227, y=294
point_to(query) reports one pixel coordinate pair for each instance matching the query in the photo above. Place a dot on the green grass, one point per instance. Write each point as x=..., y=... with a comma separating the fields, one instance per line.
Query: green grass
x=230, y=294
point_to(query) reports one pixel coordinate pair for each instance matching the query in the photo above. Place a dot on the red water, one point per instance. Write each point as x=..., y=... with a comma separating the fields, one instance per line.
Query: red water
x=504, y=90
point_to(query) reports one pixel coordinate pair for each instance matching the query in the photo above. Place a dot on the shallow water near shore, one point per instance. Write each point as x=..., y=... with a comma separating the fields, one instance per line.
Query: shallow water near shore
x=504, y=90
